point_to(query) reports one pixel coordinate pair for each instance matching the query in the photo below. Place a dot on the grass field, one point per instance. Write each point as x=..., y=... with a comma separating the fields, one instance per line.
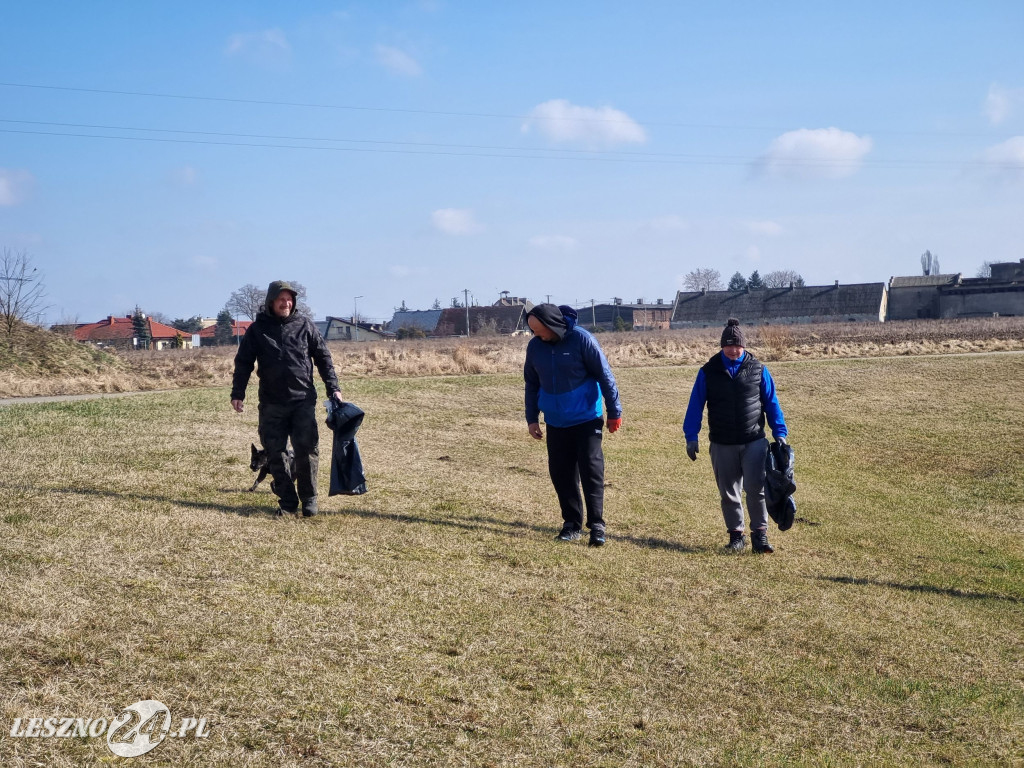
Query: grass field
x=434, y=621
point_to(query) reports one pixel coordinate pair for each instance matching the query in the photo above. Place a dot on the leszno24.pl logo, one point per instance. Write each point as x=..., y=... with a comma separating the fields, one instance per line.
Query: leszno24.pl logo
x=141, y=727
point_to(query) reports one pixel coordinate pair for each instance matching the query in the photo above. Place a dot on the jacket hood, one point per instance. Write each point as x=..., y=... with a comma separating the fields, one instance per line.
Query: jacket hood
x=272, y=292
x=561, y=319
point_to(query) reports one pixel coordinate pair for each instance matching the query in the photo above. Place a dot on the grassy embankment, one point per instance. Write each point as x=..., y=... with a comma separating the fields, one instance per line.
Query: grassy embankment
x=435, y=622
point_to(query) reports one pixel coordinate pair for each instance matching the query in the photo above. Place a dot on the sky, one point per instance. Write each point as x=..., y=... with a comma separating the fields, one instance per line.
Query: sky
x=163, y=155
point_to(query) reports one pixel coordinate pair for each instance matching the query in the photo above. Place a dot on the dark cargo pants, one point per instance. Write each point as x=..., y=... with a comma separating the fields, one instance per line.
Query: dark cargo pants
x=575, y=459
x=297, y=421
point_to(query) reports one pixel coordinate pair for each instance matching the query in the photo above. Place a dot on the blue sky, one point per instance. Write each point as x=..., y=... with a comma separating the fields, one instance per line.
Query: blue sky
x=163, y=155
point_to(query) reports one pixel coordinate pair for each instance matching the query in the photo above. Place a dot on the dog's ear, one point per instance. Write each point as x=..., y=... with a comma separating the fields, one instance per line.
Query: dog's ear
x=254, y=451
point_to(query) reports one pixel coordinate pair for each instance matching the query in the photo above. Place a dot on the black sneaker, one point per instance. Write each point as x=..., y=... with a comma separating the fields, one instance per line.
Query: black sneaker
x=759, y=541
x=597, y=536
x=737, y=541
x=568, y=534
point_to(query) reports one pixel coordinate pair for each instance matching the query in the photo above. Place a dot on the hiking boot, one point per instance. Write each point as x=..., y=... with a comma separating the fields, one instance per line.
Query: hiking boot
x=596, y=536
x=759, y=541
x=309, y=508
x=568, y=534
x=737, y=541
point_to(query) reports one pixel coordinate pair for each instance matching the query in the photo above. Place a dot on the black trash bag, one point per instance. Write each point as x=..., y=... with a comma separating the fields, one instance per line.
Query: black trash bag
x=779, y=485
x=346, y=464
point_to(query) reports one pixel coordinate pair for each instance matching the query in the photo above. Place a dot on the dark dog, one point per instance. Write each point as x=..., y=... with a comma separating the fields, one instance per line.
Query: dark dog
x=260, y=463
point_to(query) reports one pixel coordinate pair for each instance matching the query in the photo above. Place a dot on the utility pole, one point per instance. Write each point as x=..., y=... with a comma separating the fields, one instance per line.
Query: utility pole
x=549, y=298
x=465, y=300
x=355, y=314
x=593, y=315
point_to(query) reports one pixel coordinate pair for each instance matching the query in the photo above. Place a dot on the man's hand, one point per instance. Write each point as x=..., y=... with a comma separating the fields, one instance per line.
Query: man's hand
x=781, y=441
x=535, y=432
x=692, y=449
x=238, y=405
x=614, y=424
x=337, y=396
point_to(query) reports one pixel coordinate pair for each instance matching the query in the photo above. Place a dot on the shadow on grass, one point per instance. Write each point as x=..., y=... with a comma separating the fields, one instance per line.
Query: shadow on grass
x=266, y=504
x=483, y=522
x=949, y=592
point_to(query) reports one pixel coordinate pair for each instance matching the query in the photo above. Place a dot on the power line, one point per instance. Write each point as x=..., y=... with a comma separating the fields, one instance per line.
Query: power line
x=452, y=113
x=524, y=154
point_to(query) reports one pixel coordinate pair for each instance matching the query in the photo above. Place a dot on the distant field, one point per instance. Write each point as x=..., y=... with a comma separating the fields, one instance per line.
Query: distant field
x=434, y=622
x=46, y=364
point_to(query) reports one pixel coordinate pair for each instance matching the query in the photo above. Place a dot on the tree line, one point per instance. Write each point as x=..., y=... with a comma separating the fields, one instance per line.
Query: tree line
x=706, y=279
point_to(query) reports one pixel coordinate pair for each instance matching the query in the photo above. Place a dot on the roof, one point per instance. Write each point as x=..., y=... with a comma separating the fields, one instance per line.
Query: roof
x=122, y=328
x=424, y=319
x=504, y=319
x=752, y=306
x=239, y=327
x=924, y=281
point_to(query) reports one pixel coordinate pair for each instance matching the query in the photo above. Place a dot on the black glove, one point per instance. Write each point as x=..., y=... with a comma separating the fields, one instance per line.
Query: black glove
x=692, y=450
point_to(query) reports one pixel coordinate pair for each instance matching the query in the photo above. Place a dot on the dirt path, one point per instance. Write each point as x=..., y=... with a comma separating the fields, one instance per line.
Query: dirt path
x=68, y=398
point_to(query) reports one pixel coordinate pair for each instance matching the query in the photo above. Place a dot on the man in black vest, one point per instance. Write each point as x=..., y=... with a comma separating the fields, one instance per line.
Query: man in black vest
x=739, y=393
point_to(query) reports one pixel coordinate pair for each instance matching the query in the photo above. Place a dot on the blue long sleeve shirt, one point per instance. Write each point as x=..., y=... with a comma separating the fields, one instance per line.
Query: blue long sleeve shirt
x=699, y=398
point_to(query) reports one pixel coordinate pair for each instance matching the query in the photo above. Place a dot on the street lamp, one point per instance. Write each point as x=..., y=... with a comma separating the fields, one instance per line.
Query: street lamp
x=355, y=314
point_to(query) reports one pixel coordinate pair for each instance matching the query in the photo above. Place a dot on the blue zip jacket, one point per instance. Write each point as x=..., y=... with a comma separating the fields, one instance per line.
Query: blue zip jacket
x=699, y=397
x=566, y=380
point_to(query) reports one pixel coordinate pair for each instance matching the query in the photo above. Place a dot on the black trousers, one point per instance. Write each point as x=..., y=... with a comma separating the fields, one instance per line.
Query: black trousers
x=297, y=421
x=575, y=459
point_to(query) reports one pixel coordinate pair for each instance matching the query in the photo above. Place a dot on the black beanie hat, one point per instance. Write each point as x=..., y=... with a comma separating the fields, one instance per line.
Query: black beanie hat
x=732, y=336
x=551, y=316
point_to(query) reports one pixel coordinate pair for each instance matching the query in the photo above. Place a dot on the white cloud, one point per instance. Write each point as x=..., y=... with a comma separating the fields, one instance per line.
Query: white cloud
x=752, y=253
x=1007, y=159
x=455, y=221
x=997, y=104
x=562, y=121
x=670, y=223
x=186, y=176
x=818, y=153
x=270, y=43
x=770, y=228
x=14, y=186
x=557, y=243
x=397, y=62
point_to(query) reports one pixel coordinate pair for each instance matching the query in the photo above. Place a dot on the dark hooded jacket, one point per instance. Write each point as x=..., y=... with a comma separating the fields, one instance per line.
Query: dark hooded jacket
x=346, y=463
x=284, y=351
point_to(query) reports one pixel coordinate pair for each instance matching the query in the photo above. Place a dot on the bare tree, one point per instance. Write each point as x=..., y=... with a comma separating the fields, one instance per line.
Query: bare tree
x=21, y=292
x=249, y=300
x=781, y=278
x=985, y=270
x=929, y=263
x=703, y=280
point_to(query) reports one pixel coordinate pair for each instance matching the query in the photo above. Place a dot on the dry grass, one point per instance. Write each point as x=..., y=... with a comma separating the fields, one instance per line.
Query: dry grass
x=68, y=368
x=435, y=622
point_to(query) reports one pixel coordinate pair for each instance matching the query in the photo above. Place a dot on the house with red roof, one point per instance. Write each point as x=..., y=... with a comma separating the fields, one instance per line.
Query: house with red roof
x=208, y=336
x=120, y=332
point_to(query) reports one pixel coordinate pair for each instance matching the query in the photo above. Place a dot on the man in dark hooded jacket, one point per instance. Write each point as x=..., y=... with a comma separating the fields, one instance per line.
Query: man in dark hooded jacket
x=566, y=376
x=285, y=345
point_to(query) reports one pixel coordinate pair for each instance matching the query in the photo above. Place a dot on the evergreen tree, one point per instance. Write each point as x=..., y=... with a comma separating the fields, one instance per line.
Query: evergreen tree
x=224, y=332
x=436, y=304
x=620, y=324
x=737, y=282
x=193, y=324
x=140, y=326
x=755, y=283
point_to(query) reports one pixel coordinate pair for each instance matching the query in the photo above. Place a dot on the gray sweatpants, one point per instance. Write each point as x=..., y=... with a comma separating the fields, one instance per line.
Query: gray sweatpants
x=736, y=464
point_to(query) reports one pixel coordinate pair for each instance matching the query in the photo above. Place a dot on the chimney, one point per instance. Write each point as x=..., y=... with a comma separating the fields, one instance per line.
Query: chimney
x=661, y=301
x=837, y=283
x=110, y=320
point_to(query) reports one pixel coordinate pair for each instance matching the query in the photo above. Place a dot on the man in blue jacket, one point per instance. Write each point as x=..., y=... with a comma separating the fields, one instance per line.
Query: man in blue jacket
x=568, y=378
x=739, y=393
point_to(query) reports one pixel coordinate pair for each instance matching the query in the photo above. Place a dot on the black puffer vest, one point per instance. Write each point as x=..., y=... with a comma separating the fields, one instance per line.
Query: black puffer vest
x=735, y=414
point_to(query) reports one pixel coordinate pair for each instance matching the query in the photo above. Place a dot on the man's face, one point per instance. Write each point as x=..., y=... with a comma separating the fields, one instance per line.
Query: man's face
x=541, y=330
x=733, y=351
x=283, y=304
